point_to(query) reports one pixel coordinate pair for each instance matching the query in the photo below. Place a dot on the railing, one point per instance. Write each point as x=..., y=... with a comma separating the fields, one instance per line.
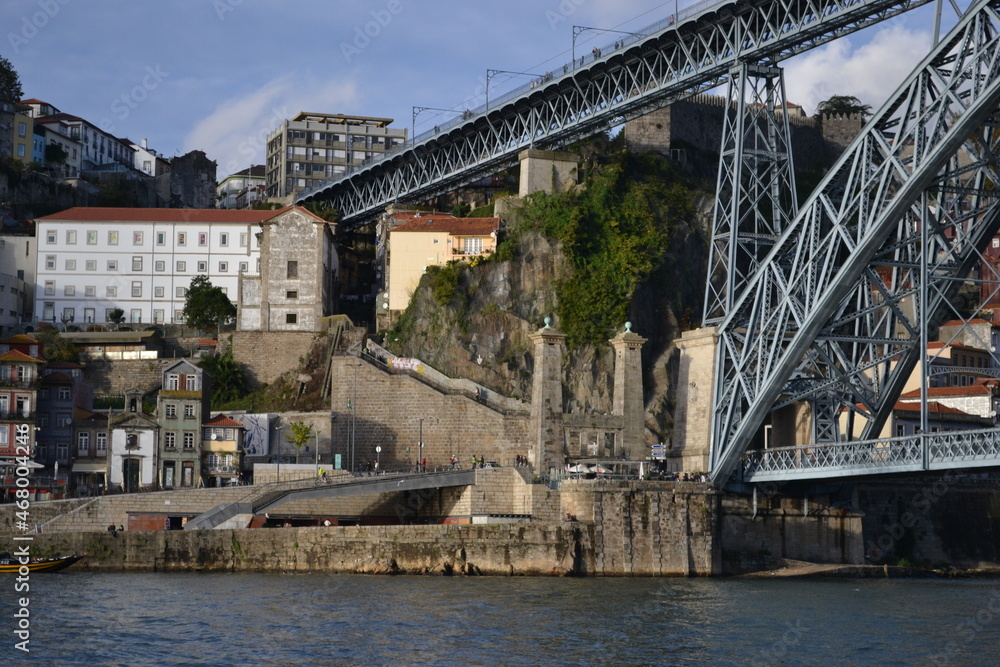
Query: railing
x=17, y=416
x=928, y=451
x=566, y=69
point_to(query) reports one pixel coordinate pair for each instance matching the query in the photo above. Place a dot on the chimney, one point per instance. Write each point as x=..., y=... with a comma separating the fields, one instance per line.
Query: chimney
x=144, y=144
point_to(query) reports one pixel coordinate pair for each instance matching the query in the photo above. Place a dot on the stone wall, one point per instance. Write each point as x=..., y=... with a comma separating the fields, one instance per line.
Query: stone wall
x=543, y=549
x=787, y=528
x=114, y=377
x=392, y=411
x=951, y=520
x=267, y=355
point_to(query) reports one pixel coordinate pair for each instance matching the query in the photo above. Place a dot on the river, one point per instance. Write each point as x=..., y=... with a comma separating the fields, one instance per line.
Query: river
x=79, y=617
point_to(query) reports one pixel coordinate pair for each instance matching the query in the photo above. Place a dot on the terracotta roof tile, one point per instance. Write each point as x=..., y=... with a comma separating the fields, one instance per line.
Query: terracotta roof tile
x=15, y=355
x=223, y=420
x=97, y=214
x=971, y=390
x=20, y=339
x=932, y=406
x=454, y=226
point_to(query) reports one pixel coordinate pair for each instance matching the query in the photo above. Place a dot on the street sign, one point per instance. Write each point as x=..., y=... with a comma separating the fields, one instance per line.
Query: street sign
x=378, y=449
x=660, y=451
x=336, y=462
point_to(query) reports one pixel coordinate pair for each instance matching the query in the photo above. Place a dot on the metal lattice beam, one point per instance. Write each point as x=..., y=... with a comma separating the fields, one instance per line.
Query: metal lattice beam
x=755, y=192
x=832, y=293
x=675, y=62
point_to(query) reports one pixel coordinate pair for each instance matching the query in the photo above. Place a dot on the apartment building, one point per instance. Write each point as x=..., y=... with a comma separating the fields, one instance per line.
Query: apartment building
x=242, y=189
x=311, y=148
x=93, y=260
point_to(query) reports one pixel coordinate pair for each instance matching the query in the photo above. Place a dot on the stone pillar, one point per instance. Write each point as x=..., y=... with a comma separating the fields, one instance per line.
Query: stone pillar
x=546, y=171
x=628, y=398
x=689, y=448
x=547, y=398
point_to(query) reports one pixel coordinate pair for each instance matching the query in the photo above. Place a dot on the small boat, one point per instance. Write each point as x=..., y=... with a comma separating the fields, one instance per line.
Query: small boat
x=13, y=565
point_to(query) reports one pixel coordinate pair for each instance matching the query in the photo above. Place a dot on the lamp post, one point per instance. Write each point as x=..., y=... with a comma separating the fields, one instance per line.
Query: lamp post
x=333, y=419
x=317, y=452
x=490, y=73
x=416, y=111
x=277, y=448
x=420, y=447
x=354, y=412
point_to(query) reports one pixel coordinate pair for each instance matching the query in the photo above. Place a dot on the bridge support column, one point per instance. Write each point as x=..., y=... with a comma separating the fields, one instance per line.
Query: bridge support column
x=689, y=447
x=628, y=395
x=546, y=171
x=547, y=398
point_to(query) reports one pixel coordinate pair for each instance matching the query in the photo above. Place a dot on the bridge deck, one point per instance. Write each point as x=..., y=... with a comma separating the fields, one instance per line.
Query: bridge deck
x=929, y=451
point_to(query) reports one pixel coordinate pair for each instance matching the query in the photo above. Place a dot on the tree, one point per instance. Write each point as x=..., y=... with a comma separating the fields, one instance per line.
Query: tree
x=461, y=209
x=206, y=306
x=299, y=435
x=55, y=154
x=116, y=316
x=844, y=105
x=10, y=82
x=228, y=381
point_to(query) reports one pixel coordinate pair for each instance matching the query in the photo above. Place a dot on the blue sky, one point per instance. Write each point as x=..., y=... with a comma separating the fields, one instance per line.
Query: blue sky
x=218, y=75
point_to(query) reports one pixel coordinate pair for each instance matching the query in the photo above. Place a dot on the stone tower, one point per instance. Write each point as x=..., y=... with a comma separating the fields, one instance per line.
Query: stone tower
x=628, y=399
x=547, y=398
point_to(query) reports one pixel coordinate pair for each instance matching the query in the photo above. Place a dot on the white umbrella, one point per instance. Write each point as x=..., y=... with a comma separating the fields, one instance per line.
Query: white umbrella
x=579, y=467
x=598, y=469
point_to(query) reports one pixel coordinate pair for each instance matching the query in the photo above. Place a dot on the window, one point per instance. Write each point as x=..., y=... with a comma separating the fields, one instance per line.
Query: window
x=42, y=420
x=69, y=290
x=50, y=237
x=223, y=267
x=244, y=267
x=160, y=266
x=243, y=240
x=158, y=292
x=22, y=129
x=202, y=239
x=158, y=316
x=50, y=288
x=472, y=246
x=181, y=292
x=64, y=393
x=71, y=236
x=172, y=381
x=169, y=440
x=188, y=411
x=102, y=444
x=62, y=451
x=181, y=238
x=291, y=318
x=91, y=265
x=292, y=294
x=70, y=265
x=224, y=239
x=50, y=262
x=161, y=238
x=293, y=269
x=191, y=384
x=137, y=263
x=188, y=440
x=136, y=238
x=64, y=420
x=112, y=238
x=111, y=291
x=181, y=267
x=90, y=290
x=135, y=316
x=136, y=288
x=83, y=444
x=170, y=410
x=91, y=237
x=179, y=315
x=202, y=267
x=996, y=242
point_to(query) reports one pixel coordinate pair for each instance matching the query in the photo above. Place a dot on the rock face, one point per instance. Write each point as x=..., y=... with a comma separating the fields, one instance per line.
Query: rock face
x=482, y=334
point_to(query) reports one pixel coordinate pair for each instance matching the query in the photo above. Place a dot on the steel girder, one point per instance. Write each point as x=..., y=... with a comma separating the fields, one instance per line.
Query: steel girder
x=674, y=62
x=755, y=192
x=831, y=309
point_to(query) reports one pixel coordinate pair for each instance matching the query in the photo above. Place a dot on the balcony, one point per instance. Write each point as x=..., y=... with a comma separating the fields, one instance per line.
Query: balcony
x=19, y=383
x=17, y=417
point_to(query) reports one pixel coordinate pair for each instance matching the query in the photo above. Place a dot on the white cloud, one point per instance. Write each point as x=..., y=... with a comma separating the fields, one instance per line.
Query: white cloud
x=870, y=72
x=235, y=133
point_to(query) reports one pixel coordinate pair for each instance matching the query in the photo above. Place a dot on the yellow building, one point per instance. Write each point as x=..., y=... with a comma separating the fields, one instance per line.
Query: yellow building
x=432, y=239
x=221, y=450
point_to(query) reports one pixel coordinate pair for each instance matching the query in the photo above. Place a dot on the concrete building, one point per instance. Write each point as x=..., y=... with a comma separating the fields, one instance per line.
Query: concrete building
x=99, y=151
x=222, y=450
x=242, y=189
x=310, y=148
x=12, y=304
x=132, y=463
x=181, y=407
x=94, y=260
x=18, y=257
x=297, y=285
x=20, y=376
x=419, y=240
x=59, y=132
x=90, y=454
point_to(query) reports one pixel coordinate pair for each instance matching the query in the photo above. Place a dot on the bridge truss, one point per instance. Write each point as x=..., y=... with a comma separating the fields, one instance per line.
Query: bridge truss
x=673, y=62
x=834, y=314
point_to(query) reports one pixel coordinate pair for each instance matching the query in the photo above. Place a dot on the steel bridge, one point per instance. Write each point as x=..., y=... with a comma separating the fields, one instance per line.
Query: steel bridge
x=665, y=62
x=833, y=310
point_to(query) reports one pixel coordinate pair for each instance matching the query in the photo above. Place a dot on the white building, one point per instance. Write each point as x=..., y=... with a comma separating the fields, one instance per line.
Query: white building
x=18, y=257
x=132, y=464
x=12, y=304
x=142, y=260
x=242, y=189
x=147, y=160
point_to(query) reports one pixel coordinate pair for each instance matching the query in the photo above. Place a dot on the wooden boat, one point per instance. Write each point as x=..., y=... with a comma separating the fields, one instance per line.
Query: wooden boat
x=13, y=565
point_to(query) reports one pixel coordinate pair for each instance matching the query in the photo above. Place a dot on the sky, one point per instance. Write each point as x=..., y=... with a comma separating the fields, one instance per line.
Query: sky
x=218, y=75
